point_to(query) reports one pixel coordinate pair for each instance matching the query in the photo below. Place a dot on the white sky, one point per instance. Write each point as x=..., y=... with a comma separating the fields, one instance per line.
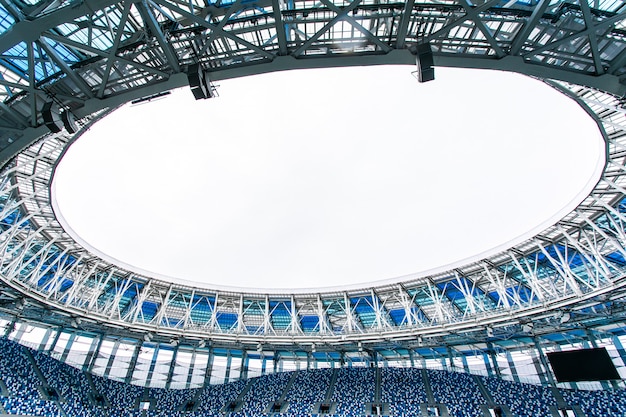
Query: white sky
x=308, y=179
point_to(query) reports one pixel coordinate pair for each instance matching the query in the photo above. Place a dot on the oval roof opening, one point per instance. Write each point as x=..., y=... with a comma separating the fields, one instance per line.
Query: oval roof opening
x=340, y=178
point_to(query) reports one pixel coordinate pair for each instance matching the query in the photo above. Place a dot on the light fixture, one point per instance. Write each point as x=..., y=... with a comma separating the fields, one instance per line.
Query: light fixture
x=489, y=331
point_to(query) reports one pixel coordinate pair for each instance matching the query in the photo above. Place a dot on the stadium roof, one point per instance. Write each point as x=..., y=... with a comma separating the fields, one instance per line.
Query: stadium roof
x=82, y=59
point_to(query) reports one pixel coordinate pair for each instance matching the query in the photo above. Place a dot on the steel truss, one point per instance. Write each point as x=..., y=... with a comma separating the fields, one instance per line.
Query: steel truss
x=90, y=56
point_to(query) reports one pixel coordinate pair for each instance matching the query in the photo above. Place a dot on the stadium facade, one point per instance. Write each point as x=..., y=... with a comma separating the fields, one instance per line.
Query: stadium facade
x=67, y=64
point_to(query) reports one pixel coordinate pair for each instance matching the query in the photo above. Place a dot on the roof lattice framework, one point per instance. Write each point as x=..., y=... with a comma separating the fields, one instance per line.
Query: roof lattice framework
x=90, y=56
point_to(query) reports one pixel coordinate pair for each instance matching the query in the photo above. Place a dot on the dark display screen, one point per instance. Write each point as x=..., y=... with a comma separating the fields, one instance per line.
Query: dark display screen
x=583, y=365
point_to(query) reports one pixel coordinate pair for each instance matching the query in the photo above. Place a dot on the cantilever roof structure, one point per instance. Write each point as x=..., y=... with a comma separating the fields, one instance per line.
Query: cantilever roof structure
x=86, y=58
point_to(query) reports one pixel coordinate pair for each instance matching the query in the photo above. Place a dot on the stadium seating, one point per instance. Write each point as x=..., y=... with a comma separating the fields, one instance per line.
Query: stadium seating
x=458, y=391
x=215, y=397
x=598, y=403
x=524, y=400
x=38, y=385
x=353, y=389
x=403, y=389
x=264, y=390
x=17, y=372
x=307, y=389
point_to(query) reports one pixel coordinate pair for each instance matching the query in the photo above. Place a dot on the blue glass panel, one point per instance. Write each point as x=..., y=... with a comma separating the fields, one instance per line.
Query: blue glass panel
x=14, y=217
x=309, y=323
x=362, y=304
x=422, y=296
x=280, y=315
x=253, y=307
x=603, y=222
x=172, y=322
x=6, y=20
x=127, y=298
x=398, y=316
x=424, y=352
x=149, y=310
x=621, y=206
x=364, y=310
x=16, y=59
x=333, y=306
x=66, y=283
x=201, y=309
x=576, y=260
x=523, y=292
x=616, y=258
x=496, y=296
x=226, y=320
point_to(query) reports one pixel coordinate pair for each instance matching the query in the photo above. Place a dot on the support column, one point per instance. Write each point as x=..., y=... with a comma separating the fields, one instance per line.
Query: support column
x=9, y=329
x=620, y=349
x=92, y=355
x=229, y=360
x=592, y=339
x=244, y=365
x=263, y=364
x=541, y=361
x=512, y=367
x=411, y=358
x=54, y=342
x=131, y=364
x=44, y=340
x=153, y=362
x=21, y=329
x=444, y=364
x=488, y=365
x=465, y=364
x=209, y=369
x=192, y=365
x=170, y=373
x=494, y=359
x=68, y=347
x=276, y=361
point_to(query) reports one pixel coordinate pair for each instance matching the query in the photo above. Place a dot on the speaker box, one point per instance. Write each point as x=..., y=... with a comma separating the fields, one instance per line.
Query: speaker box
x=199, y=82
x=69, y=121
x=51, y=118
x=425, y=63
